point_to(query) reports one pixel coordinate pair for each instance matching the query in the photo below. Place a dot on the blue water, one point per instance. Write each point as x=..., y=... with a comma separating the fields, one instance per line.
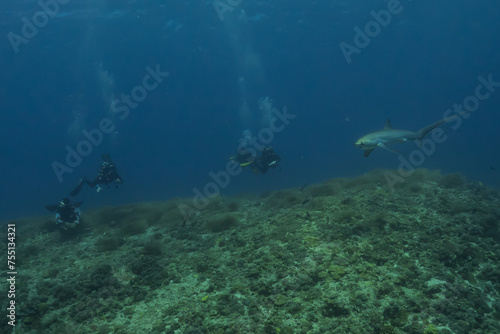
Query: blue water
x=223, y=58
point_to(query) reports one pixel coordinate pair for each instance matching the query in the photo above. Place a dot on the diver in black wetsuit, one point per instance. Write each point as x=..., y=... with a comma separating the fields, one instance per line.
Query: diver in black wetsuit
x=68, y=213
x=106, y=175
x=268, y=159
x=244, y=157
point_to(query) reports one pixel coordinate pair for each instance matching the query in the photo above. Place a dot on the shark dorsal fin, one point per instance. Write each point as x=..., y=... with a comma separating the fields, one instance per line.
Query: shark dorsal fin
x=388, y=124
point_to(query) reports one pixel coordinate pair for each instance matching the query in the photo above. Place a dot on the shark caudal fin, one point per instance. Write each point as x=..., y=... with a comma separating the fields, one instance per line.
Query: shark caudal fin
x=424, y=131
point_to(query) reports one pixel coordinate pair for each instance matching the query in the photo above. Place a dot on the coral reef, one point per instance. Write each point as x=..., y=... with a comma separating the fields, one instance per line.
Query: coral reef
x=349, y=255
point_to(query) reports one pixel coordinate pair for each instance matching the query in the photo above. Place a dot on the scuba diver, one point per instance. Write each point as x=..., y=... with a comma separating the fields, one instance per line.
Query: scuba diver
x=268, y=159
x=68, y=213
x=244, y=157
x=106, y=175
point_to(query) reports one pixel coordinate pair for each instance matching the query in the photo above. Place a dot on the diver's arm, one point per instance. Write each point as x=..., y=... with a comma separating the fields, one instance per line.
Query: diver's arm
x=93, y=183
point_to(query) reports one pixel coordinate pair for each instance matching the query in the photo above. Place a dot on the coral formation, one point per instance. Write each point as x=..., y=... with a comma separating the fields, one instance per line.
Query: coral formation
x=349, y=255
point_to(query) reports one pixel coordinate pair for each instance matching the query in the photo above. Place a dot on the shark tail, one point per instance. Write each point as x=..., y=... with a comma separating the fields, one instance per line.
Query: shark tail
x=425, y=131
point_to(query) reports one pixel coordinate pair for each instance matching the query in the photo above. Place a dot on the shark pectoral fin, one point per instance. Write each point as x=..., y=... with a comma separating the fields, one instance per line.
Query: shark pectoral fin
x=381, y=145
x=367, y=152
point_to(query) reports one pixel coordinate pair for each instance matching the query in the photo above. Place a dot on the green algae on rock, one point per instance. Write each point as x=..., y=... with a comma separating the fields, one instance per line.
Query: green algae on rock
x=348, y=255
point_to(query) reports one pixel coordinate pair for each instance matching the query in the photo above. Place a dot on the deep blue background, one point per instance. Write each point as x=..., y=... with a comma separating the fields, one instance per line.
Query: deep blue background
x=426, y=59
